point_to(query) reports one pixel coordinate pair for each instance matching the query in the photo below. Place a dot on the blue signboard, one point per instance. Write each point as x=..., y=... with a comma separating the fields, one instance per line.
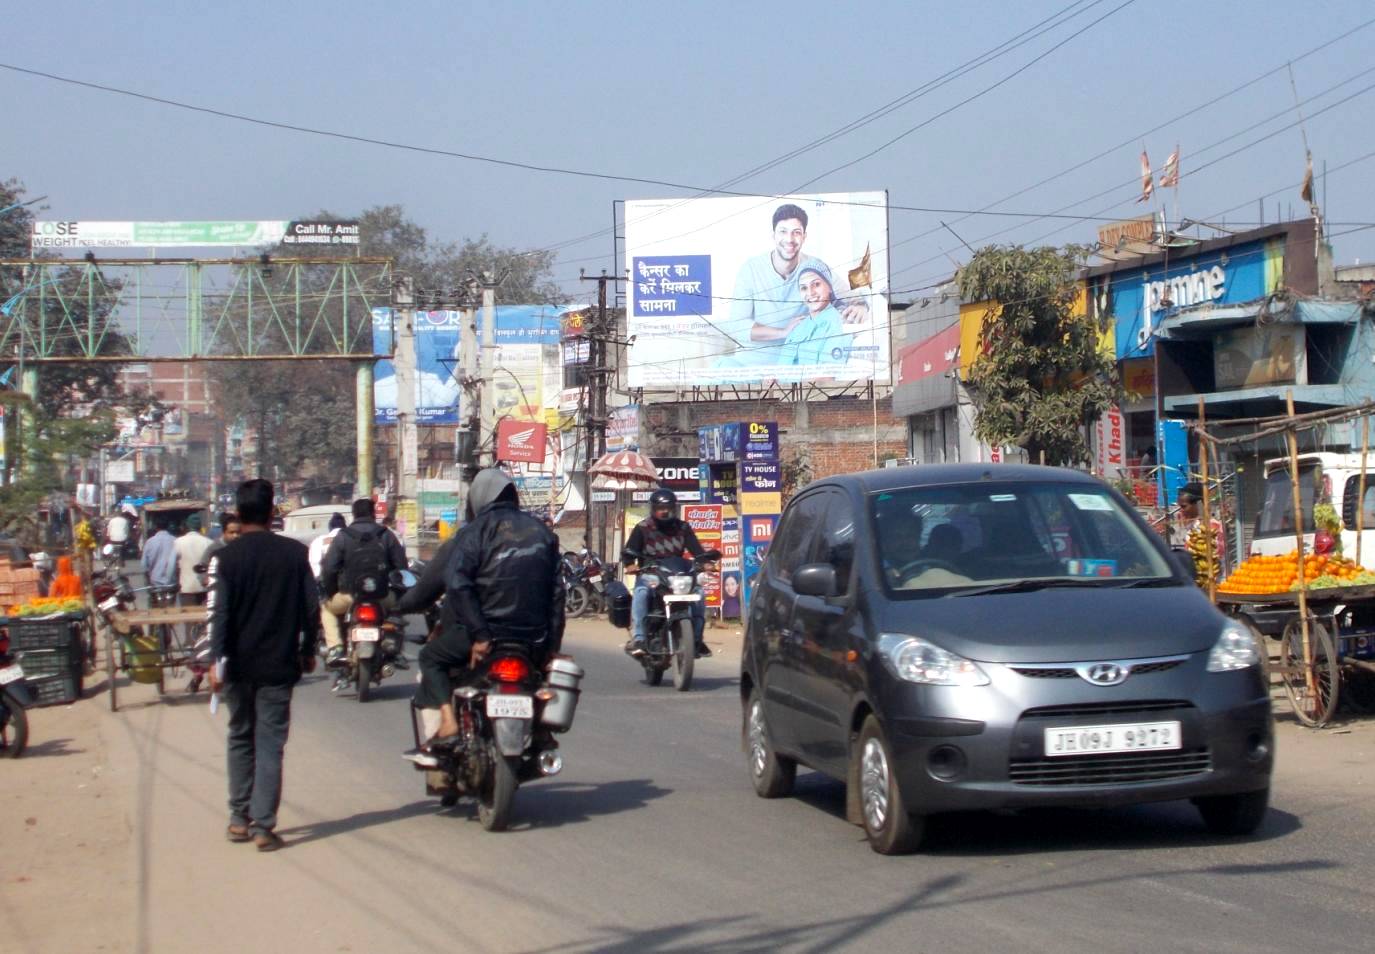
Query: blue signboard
x=738, y=441
x=667, y=285
x=1139, y=299
x=437, y=355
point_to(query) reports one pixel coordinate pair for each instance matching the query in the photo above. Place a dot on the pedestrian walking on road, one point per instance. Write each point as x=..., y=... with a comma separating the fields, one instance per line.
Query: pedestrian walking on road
x=264, y=624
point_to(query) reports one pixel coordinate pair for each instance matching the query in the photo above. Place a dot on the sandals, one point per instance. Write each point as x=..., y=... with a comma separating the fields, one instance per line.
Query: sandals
x=237, y=834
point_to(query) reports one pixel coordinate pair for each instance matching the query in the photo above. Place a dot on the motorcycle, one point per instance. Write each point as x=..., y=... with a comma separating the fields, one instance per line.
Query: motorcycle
x=508, y=712
x=675, y=586
x=582, y=583
x=372, y=640
x=14, y=699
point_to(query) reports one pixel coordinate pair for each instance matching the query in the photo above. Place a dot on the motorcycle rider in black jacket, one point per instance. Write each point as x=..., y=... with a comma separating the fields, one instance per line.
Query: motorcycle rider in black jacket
x=502, y=581
x=335, y=584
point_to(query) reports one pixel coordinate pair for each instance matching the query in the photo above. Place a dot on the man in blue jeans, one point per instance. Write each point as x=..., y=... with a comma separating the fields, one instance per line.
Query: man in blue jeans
x=661, y=535
x=264, y=623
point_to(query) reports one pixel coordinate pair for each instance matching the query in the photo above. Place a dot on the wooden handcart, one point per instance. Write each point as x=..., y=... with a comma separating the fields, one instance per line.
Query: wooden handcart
x=147, y=644
x=1341, y=643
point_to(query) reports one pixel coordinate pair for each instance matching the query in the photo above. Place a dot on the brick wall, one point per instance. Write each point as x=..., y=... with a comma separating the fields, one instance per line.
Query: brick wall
x=836, y=435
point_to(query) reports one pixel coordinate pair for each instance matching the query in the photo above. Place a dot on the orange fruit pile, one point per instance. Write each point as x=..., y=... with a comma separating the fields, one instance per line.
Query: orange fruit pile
x=1278, y=574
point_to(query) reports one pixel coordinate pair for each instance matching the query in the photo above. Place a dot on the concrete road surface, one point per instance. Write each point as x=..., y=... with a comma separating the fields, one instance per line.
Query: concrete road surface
x=652, y=840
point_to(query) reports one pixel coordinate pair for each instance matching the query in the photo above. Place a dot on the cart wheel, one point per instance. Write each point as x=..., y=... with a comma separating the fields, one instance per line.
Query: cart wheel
x=1312, y=690
x=162, y=660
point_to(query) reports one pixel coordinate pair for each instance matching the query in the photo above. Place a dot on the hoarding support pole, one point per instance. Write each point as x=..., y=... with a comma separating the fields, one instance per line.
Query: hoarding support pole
x=486, y=435
x=1360, y=497
x=362, y=376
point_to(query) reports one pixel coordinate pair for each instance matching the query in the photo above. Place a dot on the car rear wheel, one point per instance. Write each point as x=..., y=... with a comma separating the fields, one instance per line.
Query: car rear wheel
x=1234, y=814
x=889, y=827
x=772, y=774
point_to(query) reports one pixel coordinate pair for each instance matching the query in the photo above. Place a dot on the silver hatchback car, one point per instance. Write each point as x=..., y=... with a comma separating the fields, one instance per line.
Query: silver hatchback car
x=948, y=638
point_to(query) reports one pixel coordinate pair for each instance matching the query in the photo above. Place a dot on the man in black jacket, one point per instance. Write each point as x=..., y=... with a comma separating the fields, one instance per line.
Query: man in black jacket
x=336, y=579
x=501, y=582
x=264, y=621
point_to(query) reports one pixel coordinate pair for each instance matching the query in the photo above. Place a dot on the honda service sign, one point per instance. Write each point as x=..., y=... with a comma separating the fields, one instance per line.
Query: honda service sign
x=521, y=441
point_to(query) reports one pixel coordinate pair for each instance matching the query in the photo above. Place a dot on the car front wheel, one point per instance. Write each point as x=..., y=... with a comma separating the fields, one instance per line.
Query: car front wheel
x=891, y=830
x=1234, y=814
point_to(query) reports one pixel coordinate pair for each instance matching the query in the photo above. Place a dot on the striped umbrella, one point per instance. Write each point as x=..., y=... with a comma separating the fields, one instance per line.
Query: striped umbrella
x=623, y=470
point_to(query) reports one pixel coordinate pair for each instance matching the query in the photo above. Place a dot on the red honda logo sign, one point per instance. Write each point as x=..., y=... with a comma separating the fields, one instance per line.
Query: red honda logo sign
x=521, y=441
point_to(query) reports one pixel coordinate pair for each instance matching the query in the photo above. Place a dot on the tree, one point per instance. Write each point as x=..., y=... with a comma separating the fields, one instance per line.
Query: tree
x=1041, y=377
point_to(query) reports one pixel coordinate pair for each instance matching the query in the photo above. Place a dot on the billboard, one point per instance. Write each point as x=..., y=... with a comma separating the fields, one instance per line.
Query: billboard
x=190, y=234
x=754, y=289
x=527, y=358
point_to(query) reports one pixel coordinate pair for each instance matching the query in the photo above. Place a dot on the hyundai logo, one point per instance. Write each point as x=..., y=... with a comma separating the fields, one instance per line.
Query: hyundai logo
x=1104, y=674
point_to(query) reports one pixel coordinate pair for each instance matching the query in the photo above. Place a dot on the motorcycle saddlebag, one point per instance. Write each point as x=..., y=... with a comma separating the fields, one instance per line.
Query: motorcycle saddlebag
x=618, y=604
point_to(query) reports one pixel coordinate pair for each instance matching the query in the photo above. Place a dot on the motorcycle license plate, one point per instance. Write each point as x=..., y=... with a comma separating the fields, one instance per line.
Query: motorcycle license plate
x=510, y=707
x=11, y=674
x=595, y=579
x=109, y=603
x=366, y=634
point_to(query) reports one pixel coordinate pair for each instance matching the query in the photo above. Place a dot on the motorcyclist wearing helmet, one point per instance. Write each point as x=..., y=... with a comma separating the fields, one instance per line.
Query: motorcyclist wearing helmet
x=661, y=534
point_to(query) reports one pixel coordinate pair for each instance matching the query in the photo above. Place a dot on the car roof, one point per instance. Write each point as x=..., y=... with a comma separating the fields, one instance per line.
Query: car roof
x=930, y=475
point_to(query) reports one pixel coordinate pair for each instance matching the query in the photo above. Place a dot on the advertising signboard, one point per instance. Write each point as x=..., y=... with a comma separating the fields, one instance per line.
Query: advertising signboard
x=623, y=428
x=1109, y=445
x=49, y=235
x=730, y=568
x=522, y=441
x=1249, y=357
x=678, y=474
x=744, y=290
x=527, y=351
x=738, y=440
x=705, y=520
x=754, y=548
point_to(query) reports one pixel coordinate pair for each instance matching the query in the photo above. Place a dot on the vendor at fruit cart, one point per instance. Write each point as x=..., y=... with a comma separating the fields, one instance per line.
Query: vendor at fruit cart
x=1187, y=518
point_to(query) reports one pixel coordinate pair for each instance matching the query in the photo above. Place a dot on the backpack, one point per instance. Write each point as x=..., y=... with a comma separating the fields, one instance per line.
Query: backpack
x=368, y=555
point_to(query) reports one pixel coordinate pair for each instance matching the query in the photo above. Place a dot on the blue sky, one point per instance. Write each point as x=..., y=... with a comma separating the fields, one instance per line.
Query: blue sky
x=693, y=93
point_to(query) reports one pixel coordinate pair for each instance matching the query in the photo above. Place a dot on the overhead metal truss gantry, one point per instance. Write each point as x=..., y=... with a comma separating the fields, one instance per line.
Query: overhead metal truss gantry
x=71, y=310
x=136, y=310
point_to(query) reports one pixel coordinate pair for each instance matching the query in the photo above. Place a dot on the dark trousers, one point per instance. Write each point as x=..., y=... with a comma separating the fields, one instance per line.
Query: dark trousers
x=259, y=717
x=451, y=649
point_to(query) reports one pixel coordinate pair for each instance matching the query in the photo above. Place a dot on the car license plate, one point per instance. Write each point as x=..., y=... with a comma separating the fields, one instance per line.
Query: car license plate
x=11, y=674
x=366, y=634
x=510, y=707
x=1104, y=739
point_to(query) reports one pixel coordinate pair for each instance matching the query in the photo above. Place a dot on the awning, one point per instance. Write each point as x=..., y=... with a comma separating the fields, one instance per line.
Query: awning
x=1258, y=402
x=1204, y=320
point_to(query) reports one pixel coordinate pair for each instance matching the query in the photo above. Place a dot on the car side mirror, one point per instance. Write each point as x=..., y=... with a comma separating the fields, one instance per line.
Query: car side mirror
x=815, y=579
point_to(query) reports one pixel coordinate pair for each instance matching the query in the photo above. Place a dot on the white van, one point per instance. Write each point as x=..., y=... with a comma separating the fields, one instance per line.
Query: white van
x=1324, y=477
x=307, y=523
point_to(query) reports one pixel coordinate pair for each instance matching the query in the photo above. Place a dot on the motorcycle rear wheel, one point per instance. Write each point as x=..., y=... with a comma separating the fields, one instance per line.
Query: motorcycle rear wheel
x=365, y=668
x=685, y=654
x=575, y=604
x=499, y=793
x=14, y=729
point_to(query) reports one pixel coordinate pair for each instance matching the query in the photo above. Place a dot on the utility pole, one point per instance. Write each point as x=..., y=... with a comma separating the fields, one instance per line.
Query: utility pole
x=407, y=435
x=487, y=370
x=599, y=378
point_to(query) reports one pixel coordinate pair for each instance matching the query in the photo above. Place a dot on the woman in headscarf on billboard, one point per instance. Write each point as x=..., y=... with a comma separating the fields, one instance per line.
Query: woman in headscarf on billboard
x=818, y=337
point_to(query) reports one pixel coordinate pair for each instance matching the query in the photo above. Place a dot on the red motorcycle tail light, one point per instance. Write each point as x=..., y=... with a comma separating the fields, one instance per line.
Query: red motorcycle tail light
x=510, y=669
x=367, y=613
x=4, y=641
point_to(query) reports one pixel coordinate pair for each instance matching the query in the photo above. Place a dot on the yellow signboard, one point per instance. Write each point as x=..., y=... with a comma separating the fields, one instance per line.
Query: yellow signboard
x=974, y=316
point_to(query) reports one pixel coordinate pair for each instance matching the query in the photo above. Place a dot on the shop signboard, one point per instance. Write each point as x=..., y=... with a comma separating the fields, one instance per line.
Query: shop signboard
x=1140, y=298
x=521, y=441
x=730, y=568
x=678, y=474
x=705, y=279
x=1110, y=444
x=1258, y=355
x=937, y=354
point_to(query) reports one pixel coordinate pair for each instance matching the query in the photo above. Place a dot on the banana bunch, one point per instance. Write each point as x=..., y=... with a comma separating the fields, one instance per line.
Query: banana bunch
x=1201, y=542
x=85, y=536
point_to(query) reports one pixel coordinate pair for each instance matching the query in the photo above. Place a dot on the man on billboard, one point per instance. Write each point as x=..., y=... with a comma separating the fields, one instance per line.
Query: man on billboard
x=767, y=298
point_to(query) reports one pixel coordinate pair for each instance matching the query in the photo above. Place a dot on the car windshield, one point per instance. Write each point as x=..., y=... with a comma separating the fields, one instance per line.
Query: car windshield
x=948, y=538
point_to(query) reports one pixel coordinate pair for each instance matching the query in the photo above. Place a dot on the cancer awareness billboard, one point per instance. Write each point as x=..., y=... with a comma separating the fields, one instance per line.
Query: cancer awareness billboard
x=754, y=289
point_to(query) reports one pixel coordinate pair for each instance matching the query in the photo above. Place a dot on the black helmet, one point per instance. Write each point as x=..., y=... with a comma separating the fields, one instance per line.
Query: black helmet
x=660, y=499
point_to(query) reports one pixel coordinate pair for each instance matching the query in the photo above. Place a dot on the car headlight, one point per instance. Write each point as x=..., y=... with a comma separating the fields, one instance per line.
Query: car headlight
x=915, y=660
x=1234, y=649
x=680, y=584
